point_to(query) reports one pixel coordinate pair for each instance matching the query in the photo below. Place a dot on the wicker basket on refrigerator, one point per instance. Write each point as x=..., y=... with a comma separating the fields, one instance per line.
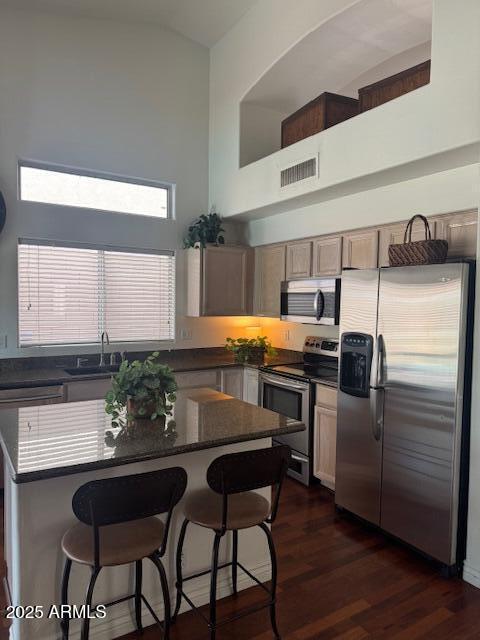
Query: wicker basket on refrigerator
x=410, y=253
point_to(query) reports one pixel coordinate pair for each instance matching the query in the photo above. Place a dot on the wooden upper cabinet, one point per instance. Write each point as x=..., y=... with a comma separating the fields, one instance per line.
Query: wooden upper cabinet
x=220, y=281
x=360, y=249
x=327, y=256
x=395, y=234
x=299, y=260
x=269, y=273
x=460, y=231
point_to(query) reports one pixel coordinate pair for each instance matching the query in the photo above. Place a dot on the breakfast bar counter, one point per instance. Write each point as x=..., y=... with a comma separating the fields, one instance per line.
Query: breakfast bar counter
x=51, y=450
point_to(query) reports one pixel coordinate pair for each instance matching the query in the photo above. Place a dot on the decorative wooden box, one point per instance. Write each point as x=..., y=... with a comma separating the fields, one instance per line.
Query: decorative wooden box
x=321, y=113
x=389, y=88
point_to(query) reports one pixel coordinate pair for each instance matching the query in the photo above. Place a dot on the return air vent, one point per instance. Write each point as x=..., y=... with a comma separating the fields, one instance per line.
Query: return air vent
x=298, y=172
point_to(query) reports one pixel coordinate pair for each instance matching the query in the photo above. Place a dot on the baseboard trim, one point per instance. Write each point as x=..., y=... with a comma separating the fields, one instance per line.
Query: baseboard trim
x=471, y=575
x=116, y=625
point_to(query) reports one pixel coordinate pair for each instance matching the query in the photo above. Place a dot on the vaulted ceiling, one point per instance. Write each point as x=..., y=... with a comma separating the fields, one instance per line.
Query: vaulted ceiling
x=204, y=21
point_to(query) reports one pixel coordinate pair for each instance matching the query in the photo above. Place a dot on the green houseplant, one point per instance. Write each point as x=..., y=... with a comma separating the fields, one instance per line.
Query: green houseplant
x=141, y=391
x=251, y=350
x=207, y=229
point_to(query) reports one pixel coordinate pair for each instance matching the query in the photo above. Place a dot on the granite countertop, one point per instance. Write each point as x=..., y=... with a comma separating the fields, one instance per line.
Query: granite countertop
x=55, y=440
x=31, y=372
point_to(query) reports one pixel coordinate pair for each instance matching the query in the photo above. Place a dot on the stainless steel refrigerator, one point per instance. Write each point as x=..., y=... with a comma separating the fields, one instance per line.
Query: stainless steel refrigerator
x=404, y=403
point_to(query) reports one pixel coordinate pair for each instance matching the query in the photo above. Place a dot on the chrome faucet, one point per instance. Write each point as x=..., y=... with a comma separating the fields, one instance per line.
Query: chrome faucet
x=102, y=352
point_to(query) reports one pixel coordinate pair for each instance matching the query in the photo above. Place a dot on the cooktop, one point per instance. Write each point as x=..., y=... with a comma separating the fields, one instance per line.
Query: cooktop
x=320, y=360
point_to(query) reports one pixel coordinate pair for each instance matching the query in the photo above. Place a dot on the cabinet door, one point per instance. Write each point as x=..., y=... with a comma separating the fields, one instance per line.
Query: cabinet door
x=299, y=260
x=232, y=382
x=327, y=256
x=226, y=284
x=360, y=249
x=193, y=379
x=87, y=389
x=250, y=385
x=325, y=445
x=269, y=273
x=395, y=234
x=460, y=231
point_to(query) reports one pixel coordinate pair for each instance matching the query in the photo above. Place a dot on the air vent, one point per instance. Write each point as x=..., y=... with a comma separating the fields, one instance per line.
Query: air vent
x=298, y=172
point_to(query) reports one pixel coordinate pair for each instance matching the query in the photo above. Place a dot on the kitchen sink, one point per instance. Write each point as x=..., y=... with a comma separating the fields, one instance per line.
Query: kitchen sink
x=83, y=371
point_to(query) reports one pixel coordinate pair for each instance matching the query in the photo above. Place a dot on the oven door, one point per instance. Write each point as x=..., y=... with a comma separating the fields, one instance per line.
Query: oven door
x=290, y=398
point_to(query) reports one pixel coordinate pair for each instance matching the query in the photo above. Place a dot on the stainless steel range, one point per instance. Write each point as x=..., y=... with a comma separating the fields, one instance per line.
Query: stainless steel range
x=289, y=389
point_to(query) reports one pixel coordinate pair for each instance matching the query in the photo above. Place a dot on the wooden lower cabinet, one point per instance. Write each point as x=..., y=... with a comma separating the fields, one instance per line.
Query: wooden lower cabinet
x=80, y=390
x=232, y=382
x=325, y=437
x=203, y=378
x=250, y=385
x=229, y=380
x=360, y=249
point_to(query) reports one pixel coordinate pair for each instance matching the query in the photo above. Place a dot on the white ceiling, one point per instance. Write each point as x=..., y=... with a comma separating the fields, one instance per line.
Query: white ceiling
x=335, y=54
x=204, y=21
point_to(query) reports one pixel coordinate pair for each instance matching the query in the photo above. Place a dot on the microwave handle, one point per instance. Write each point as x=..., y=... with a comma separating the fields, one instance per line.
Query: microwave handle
x=319, y=304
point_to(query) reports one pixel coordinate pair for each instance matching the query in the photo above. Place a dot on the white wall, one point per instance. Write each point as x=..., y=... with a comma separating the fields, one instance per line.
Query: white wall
x=107, y=96
x=415, y=126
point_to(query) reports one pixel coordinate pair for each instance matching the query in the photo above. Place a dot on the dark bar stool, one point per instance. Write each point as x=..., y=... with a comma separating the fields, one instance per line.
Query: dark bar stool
x=118, y=526
x=230, y=505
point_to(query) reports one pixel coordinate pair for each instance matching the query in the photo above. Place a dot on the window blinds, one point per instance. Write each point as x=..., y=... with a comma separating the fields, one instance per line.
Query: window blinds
x=71, y=294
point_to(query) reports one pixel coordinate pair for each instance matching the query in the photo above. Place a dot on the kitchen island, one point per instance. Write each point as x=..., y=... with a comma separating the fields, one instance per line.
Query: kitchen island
x=51, y=450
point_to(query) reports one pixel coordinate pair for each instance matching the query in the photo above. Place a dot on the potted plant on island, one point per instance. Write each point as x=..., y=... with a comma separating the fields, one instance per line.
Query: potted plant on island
x=142, y=394
x=250, y=350
x=206, y=230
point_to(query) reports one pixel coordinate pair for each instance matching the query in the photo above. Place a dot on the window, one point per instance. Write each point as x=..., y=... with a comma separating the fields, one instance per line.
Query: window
x=76, y=188
x=71, y=294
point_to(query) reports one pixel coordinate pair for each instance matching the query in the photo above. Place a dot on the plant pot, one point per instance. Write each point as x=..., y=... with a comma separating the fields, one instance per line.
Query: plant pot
x=133, y=408
x=254, y=355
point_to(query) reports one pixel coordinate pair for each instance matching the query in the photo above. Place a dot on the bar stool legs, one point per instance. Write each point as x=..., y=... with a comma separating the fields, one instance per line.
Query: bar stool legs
x=234, y=560
x=65, y=624
x=213, y=585
x=88, y=602
x=138, y=595
x=167, y=618
x=179, y=582
x=273, y=590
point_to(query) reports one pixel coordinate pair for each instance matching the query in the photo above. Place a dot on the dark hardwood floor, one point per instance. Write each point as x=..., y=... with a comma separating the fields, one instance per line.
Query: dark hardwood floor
x=339, y=579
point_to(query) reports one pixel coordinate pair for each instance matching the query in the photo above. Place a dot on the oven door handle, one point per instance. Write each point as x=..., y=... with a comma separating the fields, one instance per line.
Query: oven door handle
x=287, y=385
x=299, y=458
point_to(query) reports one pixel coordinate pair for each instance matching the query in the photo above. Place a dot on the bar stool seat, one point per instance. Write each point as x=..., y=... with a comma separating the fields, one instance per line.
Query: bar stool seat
x=205, y=508
x=120, y=543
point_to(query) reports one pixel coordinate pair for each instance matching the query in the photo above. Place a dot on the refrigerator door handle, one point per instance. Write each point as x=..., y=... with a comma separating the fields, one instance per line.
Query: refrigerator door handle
x=377, y=397
x=376, y=371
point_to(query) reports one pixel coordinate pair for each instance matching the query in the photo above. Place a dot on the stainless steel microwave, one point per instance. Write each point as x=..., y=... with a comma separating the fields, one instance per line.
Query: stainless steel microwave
x=312, y=301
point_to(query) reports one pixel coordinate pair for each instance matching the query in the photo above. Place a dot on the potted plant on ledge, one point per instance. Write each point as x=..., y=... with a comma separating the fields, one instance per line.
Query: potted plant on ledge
x=250, y=350
x=206, y=230
x=142, y=394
